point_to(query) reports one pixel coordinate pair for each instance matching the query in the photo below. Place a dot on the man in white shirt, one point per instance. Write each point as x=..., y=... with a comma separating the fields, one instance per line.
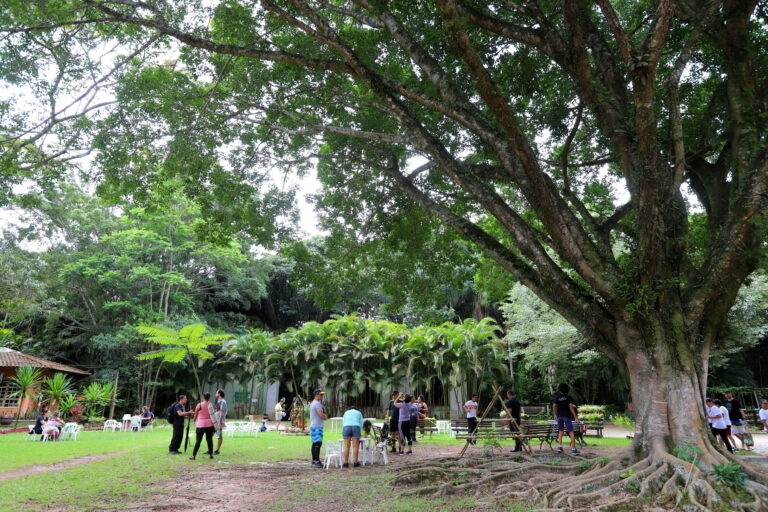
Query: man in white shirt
x=317, y=418
x=471, y=409
x=764, y=414
x=718, y=415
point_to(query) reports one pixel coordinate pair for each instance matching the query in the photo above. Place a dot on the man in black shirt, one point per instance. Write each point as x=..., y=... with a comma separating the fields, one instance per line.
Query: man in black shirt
x=737, y=417
x=565, y=414
x=513, y=409
x=178, y=413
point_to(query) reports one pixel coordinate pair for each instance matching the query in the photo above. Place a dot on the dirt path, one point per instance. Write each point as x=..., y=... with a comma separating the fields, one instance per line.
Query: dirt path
x=39, y=468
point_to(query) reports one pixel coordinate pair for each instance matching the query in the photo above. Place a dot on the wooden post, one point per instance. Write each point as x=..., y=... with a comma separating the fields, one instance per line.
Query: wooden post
x=114, y=395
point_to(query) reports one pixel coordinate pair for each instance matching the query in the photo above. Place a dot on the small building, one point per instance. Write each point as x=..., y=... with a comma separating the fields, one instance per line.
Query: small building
x=10, y=361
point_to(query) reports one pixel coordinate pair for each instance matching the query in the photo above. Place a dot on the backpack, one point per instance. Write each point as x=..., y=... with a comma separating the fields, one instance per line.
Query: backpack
x=170, y=414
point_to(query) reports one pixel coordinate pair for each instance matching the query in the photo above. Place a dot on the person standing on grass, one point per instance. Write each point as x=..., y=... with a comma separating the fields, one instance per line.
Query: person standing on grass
x=718, y=415
x=737, y=418
x=414, y=418
x=564, y=411
x=317, y=418
x=423, y=412
x=351, y=427
x=178, y=413
x=471, y=409
x=514, y=409
x=204, y=425
x=404, y=424
x=394, y=420
x=220, y=416
x=763, y=414
x=279, y=413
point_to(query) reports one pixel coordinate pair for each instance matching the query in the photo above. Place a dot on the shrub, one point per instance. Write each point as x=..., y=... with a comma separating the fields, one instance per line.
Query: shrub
x=729, y=474
x=687, y=452
x=592, y=409
x=622, y=420
x=591, y=417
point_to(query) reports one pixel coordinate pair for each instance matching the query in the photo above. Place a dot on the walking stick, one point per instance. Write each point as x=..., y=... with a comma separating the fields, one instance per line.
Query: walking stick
x=186, y=436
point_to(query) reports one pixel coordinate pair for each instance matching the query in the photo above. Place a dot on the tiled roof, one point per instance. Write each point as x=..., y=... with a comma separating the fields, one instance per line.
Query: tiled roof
x=14, y=358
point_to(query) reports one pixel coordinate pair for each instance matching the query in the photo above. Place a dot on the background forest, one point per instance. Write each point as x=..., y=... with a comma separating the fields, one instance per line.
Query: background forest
x=80, y=274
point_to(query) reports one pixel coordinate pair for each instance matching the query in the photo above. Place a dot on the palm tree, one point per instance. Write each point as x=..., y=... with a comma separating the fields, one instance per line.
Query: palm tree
x=188, y=342
x=56, y=388
x=95, y=397
x=27, y=381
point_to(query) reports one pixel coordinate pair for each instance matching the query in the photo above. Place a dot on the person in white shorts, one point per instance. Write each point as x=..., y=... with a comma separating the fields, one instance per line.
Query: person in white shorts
x=279, y=412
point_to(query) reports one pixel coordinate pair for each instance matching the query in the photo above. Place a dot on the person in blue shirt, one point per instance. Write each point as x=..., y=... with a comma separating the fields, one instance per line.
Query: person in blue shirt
x=351, y=425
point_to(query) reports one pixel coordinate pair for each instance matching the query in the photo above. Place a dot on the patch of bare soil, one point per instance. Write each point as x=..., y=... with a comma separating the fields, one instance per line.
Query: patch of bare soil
x=40, y=468
x=225, y=488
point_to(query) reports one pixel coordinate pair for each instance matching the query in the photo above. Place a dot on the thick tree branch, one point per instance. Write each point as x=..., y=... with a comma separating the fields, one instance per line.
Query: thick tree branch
x=562, y=302
x=572, y=242
x=619, y=35
x=226, y=49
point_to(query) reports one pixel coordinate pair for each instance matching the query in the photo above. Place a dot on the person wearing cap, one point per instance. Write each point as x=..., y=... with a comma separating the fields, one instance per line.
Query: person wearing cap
x=316, y=418
x=279, y=413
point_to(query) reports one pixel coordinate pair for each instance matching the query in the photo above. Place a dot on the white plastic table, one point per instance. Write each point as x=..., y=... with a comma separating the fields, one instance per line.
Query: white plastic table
x=443, y=426
x=366, y=447
x=334, y=424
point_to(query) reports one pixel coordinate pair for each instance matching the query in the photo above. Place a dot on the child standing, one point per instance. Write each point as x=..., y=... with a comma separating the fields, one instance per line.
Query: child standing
x=565, y=414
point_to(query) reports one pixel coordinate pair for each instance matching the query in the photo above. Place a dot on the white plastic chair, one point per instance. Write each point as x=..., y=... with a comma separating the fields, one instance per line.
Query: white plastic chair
x=32, y=436
x=332, y=454
x=230, y=428
x=135, y=423
x=112, y=425
x=69, y=432
x=380, y=450
x=366, y=450
x=250, y=429
x=126, y=422
x=48, y=434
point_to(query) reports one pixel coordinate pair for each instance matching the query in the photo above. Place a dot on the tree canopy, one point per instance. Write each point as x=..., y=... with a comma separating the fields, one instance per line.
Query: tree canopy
x=508, y=123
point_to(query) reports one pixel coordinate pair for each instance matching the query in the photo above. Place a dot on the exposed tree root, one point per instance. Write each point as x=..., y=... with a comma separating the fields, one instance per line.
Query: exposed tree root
x=559, y=482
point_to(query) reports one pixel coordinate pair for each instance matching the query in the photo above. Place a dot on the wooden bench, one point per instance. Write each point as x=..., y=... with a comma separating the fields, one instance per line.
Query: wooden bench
x=426, y=425
x=494, y=427
x=597, y=426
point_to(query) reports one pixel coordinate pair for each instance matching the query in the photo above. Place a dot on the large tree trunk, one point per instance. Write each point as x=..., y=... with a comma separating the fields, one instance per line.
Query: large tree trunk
x=668, y=384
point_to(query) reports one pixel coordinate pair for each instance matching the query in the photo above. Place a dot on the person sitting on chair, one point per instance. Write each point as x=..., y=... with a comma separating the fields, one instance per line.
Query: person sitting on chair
x=39, y=422
x=52, y=425
x=146, y=416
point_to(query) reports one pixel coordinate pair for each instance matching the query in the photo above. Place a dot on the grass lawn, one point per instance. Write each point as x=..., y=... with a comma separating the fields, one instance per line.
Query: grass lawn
x=121, y=479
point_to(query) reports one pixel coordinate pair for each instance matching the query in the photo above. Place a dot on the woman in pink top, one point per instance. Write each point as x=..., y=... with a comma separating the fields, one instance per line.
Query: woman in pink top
x=204, y=425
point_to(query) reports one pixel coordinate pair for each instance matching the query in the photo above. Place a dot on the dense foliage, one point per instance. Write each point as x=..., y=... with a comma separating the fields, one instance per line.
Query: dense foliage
x=350, y=355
